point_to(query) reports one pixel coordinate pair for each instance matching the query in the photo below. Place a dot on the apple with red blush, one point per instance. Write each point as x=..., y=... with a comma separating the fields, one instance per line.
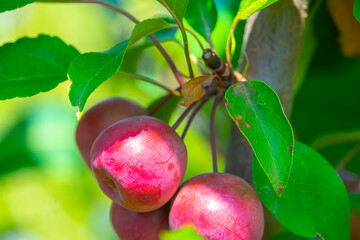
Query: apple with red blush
x=218, y=206
x=99, y=117
x=139, y=162
x=130, y=225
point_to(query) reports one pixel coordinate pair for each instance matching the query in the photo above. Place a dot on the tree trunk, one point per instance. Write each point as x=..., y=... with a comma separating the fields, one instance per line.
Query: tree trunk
x=272, y=39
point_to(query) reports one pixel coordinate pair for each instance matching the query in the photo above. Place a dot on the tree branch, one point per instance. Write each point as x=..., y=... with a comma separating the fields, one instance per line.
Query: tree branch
x=273, y=38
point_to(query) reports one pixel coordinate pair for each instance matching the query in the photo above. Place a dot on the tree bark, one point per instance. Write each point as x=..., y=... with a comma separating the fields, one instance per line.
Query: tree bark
x=272, y=42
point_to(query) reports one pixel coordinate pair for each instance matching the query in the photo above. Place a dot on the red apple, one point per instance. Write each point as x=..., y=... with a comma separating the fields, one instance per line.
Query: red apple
x=99, y=117
x=218, y=206
x=139, y=162
x=130, y=225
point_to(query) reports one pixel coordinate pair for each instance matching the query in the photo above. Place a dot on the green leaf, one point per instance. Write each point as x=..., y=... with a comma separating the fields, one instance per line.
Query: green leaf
x=287, y=235
x=89, y=70
x=315, y=202
x=229, y=6
x=33, y=65
x=134, y=53
x=148, y=27
x=177, y=7
x=237, y=45
x=185, y=233
x=257, y=111
x=357, y=9
x=248, y=7
x=7, y=5
x=202, y=16
x=167, y=34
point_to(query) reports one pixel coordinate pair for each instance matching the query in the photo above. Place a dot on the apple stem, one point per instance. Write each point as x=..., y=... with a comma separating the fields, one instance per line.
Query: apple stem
x=212, y=131
x=178, y=76
x=183, y=115
x=193, y=114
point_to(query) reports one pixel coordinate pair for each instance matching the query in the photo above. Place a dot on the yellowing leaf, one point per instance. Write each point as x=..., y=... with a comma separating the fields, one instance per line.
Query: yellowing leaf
x=193, y=90
x=348, y=26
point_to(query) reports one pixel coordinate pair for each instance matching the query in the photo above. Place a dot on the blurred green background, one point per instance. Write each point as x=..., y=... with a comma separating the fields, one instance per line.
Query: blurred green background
x=47, y=192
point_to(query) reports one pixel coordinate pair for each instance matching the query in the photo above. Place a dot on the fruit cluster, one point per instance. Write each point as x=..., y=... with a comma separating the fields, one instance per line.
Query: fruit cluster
x=139, y=162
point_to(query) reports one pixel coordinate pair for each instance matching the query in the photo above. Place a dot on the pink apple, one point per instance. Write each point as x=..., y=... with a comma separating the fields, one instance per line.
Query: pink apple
x=139, y=162
x=218, y=206
x=99, y=117
x=130, y=225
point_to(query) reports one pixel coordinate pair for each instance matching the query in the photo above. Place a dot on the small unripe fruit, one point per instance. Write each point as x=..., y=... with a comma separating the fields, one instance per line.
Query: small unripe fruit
x=139, y=162
x=218, y=206
x=130, y=225
x=98, y=118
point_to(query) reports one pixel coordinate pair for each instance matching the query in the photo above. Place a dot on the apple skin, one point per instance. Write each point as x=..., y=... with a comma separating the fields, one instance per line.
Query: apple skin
x=139, y=162
x=218, y=206
x=130, y=225
x=98, y=118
